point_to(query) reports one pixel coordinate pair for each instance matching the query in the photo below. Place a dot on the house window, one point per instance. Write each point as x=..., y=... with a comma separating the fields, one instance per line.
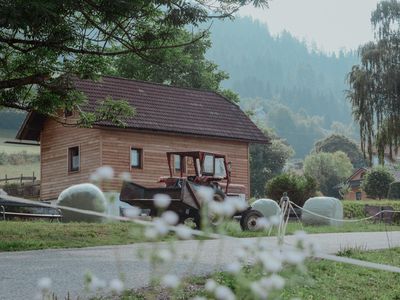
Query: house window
x=136, y=158
x=179, y=164
x=208, y=164
x=358, y=195
x=73, y=159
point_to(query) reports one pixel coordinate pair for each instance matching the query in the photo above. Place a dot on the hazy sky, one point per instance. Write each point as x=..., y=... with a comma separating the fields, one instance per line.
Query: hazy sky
x=331, y=24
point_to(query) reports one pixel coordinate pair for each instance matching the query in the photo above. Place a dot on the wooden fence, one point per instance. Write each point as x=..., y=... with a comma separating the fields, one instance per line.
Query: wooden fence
x=21, y=186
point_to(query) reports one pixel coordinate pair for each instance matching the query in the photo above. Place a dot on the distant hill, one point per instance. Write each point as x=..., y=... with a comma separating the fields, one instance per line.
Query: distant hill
x=11, y=120
x=281, y=69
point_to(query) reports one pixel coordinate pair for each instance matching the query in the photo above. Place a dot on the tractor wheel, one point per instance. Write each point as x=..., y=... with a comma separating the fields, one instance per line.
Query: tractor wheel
x=248, y=222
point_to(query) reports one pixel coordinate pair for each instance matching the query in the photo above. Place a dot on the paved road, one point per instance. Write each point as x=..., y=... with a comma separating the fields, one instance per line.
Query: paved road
x=19, y=271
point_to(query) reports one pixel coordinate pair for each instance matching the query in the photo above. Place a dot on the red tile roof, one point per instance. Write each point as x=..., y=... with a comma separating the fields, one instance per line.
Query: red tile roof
x=171, y=109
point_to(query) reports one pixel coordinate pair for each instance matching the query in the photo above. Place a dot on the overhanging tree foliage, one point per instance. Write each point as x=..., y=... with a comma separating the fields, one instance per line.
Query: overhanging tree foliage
x=375, y=83
x=44, y=42
x=267, y=161
x=184, y=66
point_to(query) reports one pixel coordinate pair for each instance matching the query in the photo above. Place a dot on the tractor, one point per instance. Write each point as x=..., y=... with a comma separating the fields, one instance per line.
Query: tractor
x=188, y=172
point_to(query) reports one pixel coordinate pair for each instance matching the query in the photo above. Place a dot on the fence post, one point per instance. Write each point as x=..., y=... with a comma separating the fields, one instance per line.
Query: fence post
x=6, y=179
x=21, y=179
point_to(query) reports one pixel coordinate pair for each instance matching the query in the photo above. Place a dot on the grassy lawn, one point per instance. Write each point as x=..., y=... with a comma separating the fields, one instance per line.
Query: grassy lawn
x=16, y=170
x=233, y=228
x=323, y=280
x=16, y=236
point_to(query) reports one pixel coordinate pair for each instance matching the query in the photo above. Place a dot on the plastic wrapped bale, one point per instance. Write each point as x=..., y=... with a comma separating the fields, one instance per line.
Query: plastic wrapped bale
x=325, y=206
x=267, y=207
x=83, y=196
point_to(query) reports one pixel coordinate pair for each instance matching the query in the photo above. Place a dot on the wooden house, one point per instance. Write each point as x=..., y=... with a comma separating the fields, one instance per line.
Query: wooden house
x=354, y=182
x=167, y=119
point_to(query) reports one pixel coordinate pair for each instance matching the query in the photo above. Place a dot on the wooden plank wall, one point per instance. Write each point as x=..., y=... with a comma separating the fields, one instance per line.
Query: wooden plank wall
x=112, y=147
x=116, y=145
x=54, y=143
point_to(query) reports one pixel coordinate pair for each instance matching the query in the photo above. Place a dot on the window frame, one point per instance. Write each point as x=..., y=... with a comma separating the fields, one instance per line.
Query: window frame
x=140, y=153
x=70, y=160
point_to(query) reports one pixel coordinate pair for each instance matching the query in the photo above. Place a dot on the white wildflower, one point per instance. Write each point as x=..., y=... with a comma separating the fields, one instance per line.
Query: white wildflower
x=277, y=282
x=275, y=220
x=270, y=263
x=183, y=232
x=170, y=281
x=96, y=283
x=300, y=236
x=206, y=193
x=210, y=285
x=132, y=212
x=160, y=226
x=170, y=217
x=259, y=290
x=151, y=233
x=215, y=208
x=116, y=286
x=102, y=173
x=228, y=208
x=44, y=284
x=294, y=257
x=240, y=204
x=233, y=268
x=125, y=176
x=162, y=200
x=262, y=223
x=224, y=293
x=164, y=255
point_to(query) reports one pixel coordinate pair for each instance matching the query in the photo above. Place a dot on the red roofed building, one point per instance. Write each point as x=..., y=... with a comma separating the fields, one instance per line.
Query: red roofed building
x=167, y=119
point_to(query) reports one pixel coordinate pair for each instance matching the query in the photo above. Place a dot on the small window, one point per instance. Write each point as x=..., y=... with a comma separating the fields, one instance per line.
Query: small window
x=208, y=164
x=136, y=158
x=358, y=195
x=179, y=164
x=220, y=167
x=73, y=159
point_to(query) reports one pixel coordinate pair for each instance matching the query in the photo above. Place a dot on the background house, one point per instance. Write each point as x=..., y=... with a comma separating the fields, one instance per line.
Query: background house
x=167, y=119
x=354, y=182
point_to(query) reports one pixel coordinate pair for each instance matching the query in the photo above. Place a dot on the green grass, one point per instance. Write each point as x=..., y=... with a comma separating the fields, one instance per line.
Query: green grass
x=17, y=236
x=232, y=228
x=322, y=280
x=16, y=170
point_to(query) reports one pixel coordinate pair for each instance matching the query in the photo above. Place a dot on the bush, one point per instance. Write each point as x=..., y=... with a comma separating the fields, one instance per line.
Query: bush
x=355, y=209
x=394, y=191
x=299, y=188
x=377, y=181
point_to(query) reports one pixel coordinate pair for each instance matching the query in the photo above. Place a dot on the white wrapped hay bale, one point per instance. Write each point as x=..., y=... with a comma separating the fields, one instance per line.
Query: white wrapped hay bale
x=325, y=206
x=83, y=196
x=267, y=207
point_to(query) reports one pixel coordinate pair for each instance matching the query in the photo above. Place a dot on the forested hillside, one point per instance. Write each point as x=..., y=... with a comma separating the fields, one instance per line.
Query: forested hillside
x=294, y=90
x=266, y=71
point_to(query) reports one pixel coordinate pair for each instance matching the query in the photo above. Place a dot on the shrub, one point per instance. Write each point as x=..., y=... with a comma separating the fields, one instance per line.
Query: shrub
x=355, y=209
x=328, y=169
x=299, y=188
x=377, y=181
x=394, y=190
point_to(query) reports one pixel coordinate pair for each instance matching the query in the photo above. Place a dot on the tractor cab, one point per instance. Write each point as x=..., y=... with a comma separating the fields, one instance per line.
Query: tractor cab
x=199, y=167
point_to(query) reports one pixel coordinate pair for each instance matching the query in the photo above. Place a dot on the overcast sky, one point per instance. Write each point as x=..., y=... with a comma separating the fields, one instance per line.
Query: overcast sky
x=331, y=24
